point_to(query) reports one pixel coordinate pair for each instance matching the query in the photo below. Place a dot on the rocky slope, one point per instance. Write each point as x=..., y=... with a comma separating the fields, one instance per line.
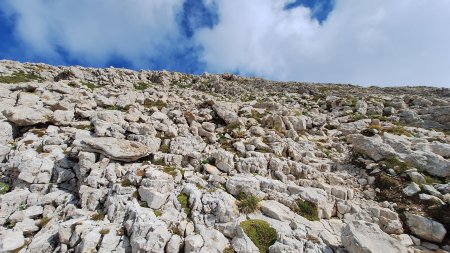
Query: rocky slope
x=114, y=160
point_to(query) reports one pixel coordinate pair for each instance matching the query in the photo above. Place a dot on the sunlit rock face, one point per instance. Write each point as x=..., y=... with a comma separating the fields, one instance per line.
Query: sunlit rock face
x=114, y=160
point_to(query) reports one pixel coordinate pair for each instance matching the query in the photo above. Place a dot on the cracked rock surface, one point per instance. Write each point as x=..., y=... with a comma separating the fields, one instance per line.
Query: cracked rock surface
x=115, y=160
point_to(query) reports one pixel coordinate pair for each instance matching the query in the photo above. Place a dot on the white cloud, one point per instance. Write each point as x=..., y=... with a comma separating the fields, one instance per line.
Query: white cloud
x=384, y=42
x=97, y=31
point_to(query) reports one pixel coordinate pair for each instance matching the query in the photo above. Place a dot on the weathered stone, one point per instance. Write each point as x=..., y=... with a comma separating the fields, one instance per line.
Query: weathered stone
x=121, y=150
x=364, y=237
x=28, y=116
x=425, y=228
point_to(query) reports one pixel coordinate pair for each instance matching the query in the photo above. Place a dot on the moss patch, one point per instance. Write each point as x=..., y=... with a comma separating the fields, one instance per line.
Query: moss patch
x=184, y=202
x=261, y=234
x=157, y=213
x=4, y=188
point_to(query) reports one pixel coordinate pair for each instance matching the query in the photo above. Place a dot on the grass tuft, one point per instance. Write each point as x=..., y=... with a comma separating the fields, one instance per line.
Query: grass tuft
x=4, y=188
x=104, y=231
x=170, y=170
x=184, y=202
x=394, y=163
x=157, y=213
x=126, y=182
x=247, y=203
x=142, y=86
x=19, y=77
x=307, y=209
x=99, y=216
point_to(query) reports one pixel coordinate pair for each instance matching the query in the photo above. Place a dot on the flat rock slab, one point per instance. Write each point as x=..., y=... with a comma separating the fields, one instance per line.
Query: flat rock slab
x=365, y=237
x=276, y=210
x=425, y=228
x=28, y=116
x=116, y=149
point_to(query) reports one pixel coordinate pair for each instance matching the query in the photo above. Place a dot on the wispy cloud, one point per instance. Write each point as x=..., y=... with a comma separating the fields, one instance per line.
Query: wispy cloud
x=95, y=32
x=364, y=42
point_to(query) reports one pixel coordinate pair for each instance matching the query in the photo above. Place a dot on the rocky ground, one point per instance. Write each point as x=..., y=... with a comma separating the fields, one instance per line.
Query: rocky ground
x=114, y=160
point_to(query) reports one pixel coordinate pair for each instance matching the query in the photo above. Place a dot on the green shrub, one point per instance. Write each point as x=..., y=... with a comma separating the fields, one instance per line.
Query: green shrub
x=143, y=204
x=158, y=104
x=142, y=86
x=89, y=85
x=99, y=216
x=171, y=171
x=4, y=188
x=42, y=222
x=165, y=148
x=104, y=231
x=307, y=209
x=384, y=181
x=229, y=250
x=394, y=163
x=261, y=234
x=399, y=130
x=184, y=202
x=126, y=182
x=19, y=77
x=157, y=213
x=248, y=203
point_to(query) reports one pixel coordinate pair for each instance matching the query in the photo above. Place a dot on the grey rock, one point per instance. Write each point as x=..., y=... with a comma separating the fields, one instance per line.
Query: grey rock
x=365, y=237
x=28, y=116
x=425, y=228
x=117, y=149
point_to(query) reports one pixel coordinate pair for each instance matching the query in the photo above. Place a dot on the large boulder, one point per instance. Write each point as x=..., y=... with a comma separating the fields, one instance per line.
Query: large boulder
x=223, y=160
x=243, y=183
x=276, y=210
x=226, y=112
x=372, y=147
x=116, y=149
x=11, y=240
x=432, y=163
x=425, y=228
x=28, y=116
x=220, y=206
x=33, y=168
x=186, y=145
x=7, y=132
x=156, y=188
x=147, y=233
x=365, y=237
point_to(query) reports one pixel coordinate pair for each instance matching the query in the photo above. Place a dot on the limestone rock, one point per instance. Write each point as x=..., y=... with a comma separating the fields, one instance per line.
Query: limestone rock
x=121, y=150
x=28, y=116
x=364, y=237
x=425, y=228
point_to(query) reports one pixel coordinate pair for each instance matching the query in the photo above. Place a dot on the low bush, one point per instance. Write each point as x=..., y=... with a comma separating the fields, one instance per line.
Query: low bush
x=248, y=203
x=261, y=234
x=307, y=209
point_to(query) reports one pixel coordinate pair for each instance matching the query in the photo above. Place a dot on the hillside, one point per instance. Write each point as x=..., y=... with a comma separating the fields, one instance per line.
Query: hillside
x=115, y=160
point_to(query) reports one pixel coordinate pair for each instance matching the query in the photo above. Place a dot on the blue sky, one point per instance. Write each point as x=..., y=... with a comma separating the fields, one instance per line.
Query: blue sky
x=363, y=42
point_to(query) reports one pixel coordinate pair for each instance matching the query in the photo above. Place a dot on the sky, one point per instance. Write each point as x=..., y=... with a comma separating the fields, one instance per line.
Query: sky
x=362, y=42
